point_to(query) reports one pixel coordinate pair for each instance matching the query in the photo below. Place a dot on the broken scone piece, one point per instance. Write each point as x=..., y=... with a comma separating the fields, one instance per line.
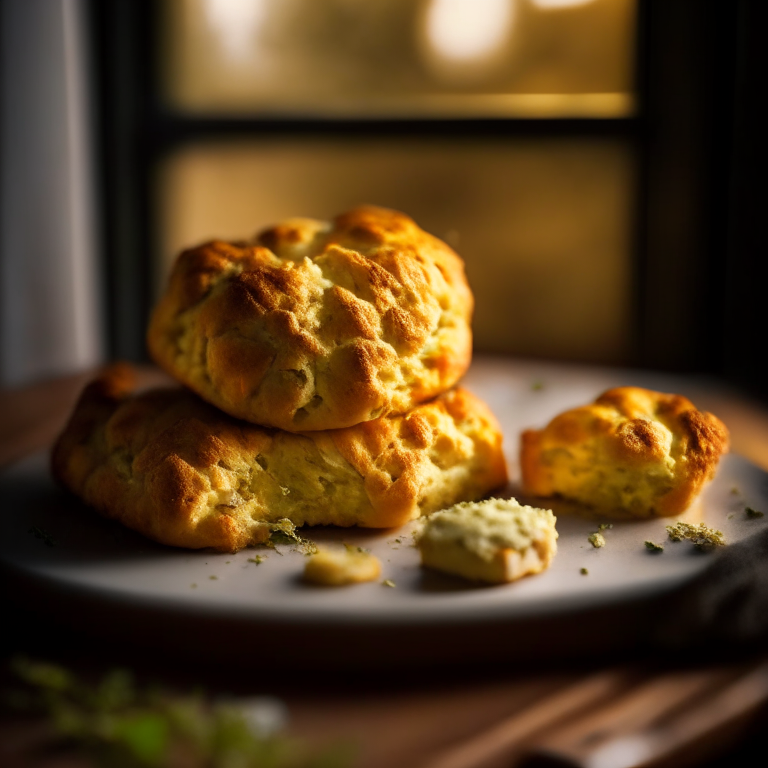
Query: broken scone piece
x=496, y=540
x=337, y=567
x=632, y=453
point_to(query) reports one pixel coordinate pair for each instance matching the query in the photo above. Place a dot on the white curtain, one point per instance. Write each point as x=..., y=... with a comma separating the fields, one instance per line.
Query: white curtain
x=51, y=320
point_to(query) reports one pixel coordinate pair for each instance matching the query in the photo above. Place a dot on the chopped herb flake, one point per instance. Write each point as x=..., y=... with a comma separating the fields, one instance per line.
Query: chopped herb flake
x=259, y=559
x=753, y=513
x=284, y=532
x=388, y=583
x=213, y=578
x=537, y=386
x=702, y=536
x=653, y=547
x=583, y=571
x=43, y=535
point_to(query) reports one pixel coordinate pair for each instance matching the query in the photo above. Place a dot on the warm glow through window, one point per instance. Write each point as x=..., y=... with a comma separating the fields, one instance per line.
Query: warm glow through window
x=237, y=24
x=553, y=4
x=466, y=30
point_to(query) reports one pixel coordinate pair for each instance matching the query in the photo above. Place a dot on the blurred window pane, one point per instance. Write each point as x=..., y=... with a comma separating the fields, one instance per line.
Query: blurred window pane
x=542, y=223
x=431, y=58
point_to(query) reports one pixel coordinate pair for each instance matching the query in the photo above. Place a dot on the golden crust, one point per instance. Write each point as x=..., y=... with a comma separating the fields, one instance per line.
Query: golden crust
x=172, y=467
x=314, y=325
x=632, y=452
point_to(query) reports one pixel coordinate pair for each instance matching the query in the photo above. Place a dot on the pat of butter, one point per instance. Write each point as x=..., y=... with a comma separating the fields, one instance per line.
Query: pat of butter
x=497, y=540
x=335, y=568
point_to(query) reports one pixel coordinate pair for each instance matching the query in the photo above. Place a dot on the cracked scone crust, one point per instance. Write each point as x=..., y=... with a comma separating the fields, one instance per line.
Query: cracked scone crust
x=632, y=453
x=179, y=471
x=317, y=325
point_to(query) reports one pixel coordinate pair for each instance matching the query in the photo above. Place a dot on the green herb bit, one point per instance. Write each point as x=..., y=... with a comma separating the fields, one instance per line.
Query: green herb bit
x=753, y=513
x=597, y=540
x=701, y=536
x=537, y=386
x=731, y=516
x=653, y=547
x=735, y=491
x=193, y=586
x=284, y=532
x=583, y=571
x=213, y=578
x=259, y=559
x=388, y=583
x=115, y=723
x=604, y=526
x=43, y=535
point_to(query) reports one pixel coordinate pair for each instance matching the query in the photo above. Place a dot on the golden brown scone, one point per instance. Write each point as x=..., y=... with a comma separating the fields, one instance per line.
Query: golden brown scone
x=317, y=325
x=633, y=452
x=174, y=468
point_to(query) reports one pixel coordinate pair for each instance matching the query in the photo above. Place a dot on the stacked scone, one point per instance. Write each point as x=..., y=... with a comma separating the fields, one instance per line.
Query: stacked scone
x=319, y=363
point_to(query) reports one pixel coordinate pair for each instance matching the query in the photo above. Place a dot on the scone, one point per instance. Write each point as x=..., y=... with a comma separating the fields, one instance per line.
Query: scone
x=316, y=325
x=179, y=471
x=496, y=541
x=631, y=453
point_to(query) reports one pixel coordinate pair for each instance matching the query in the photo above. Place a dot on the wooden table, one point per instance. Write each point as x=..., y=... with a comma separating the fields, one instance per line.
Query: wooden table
x=602, y=713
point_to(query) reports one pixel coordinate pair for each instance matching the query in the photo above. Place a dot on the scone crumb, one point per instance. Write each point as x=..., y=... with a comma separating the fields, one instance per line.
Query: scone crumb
x=335, y=568
x=653, y=547
x=496, y=540
x=701, y=535
x=597, y=540
x=284, y=532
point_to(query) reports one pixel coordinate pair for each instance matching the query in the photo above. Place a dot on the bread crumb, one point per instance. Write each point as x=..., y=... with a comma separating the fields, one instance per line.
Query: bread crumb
x=597, y=540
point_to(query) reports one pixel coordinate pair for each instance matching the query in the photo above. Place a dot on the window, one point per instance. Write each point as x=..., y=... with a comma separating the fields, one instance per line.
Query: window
x=566, y=148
